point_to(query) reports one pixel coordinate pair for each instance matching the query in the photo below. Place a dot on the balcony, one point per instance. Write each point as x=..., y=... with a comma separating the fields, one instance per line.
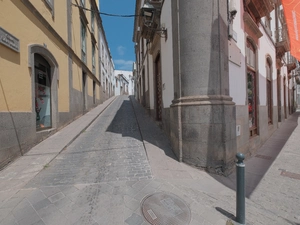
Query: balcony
x=290, y=62
x=259, y=8
x=252, y=26
x=282, y=42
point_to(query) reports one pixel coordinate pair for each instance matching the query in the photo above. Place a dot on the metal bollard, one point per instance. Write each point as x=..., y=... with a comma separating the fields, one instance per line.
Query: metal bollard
x=240, y=188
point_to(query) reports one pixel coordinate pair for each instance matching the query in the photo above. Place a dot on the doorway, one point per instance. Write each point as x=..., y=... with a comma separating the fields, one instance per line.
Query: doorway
x=158, y=88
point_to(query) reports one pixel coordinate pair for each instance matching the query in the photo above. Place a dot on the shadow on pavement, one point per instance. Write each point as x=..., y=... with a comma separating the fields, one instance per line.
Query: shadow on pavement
x=139, y=125
x=225, y=213
x=258, y=165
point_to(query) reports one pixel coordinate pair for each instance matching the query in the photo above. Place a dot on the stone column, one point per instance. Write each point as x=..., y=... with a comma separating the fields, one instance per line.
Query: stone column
x=202, y=114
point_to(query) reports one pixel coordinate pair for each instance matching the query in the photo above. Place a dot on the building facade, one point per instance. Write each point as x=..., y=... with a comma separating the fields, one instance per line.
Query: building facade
x=106, y=67
x=216, y=74
x=49, y=72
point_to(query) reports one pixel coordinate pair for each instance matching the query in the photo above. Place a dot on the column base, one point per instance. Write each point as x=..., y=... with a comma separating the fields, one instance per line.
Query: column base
x=203, y=132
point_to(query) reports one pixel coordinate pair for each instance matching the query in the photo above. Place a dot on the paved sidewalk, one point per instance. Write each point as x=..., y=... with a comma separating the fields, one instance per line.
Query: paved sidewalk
x=273, y=185
x=22, y=170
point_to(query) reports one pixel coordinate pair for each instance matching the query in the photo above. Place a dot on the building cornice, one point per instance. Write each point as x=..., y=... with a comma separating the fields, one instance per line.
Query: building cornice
x=39, y=16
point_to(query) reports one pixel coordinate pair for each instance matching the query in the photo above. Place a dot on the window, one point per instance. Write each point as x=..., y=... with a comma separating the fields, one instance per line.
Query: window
x=251, y=88
x=82, y=3
x=93, y=57
x=83, y=42
x=102, y=53
x=92, y=20
x=269, y=89
x=50, y=5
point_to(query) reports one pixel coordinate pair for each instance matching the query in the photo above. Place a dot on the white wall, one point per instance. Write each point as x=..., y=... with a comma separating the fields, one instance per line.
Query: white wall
x=237, y=72
x=167, y=57
x=266, y=48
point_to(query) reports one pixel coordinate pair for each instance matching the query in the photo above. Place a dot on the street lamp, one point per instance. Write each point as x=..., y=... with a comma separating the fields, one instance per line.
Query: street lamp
x=148, y=12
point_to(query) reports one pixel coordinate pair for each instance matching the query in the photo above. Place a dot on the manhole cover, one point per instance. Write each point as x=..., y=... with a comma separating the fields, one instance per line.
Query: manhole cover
x=165, y=209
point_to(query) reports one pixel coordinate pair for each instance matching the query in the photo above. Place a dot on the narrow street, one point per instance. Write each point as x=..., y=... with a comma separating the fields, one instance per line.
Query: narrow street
x=111, y=149
x=119, y=169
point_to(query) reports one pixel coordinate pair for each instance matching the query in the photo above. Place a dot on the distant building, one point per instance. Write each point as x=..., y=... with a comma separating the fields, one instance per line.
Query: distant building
x=54, y=66
x=124, y=82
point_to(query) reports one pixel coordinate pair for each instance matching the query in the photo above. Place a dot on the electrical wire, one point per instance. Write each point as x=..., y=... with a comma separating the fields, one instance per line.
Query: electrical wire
x=105, y=14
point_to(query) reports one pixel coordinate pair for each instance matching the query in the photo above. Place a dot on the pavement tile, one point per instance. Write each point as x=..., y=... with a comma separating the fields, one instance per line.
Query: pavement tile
x=35, y=196
x=56, y=197
x=41, y=204
x=48, y=191
x=10, y=202
x=65, y=205
x=47, y=210
x=4, y=213
x=23, y=209
x=9, y=220
x=134, y=219
x=56, y=219
x=131, y=203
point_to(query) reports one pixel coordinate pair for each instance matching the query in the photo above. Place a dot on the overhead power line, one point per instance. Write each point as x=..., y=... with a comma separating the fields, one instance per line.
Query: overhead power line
x=105, y=14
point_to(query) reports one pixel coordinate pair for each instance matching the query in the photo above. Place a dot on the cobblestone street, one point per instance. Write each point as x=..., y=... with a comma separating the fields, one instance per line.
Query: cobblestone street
x=103, y=176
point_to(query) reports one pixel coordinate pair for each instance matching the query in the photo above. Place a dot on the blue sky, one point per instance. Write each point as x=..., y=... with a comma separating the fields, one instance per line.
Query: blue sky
x=119, y=31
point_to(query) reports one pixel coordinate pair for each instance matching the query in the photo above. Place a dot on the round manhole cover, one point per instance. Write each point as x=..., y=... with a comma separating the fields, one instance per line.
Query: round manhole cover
x=165, y=209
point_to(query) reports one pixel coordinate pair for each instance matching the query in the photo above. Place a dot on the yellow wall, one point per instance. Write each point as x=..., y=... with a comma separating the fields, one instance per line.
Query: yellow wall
x=76, y=36
x=15, y=75
x=77, y=76
x=14, y=71
x=59, y=19
x=75, y=29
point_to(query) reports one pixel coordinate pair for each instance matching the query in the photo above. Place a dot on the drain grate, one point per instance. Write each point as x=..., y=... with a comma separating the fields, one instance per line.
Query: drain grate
x=165, y=209
x=290, y=174
x=264, y=157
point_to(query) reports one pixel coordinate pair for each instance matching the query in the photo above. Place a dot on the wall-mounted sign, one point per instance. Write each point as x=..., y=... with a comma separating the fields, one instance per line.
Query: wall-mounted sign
x=9, y=40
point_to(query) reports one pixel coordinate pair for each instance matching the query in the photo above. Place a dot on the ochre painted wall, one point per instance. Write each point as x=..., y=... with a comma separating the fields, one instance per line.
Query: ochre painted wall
x=77, y=76
x=59, y=18
x=29, y=30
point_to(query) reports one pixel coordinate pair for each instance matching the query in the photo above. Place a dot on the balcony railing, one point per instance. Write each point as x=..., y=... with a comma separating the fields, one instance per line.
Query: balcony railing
x=282, y=42
x=281, y=34
x=290, y=62
x=290, y=59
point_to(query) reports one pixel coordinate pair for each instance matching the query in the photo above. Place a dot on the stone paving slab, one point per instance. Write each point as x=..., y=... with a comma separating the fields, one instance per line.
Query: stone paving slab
x=82, y=184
